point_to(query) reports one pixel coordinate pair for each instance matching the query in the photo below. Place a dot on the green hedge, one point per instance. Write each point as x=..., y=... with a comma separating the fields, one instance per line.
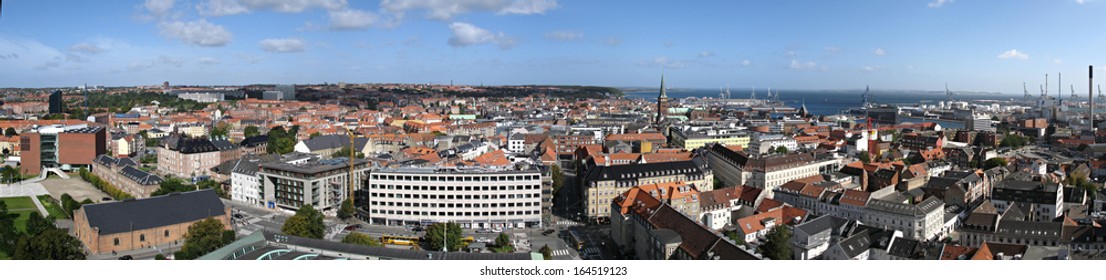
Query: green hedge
x=104, y=186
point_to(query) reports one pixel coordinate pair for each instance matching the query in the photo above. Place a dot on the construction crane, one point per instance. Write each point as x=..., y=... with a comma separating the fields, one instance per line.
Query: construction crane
x=1027, y=96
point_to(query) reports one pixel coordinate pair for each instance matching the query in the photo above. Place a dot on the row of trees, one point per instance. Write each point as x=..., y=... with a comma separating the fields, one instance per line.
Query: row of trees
x=175, y=185
x=10, y=174
x=104, y=186
x=41, y=239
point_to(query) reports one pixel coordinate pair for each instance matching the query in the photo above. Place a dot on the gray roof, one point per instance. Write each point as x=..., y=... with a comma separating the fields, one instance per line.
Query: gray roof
x=921, y=209
x=139, y=176
x=855, y=245
x=820, y=224
x=170, y=209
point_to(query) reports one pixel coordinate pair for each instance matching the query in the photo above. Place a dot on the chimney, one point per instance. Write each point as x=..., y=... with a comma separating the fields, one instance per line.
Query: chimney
x=1090, y=96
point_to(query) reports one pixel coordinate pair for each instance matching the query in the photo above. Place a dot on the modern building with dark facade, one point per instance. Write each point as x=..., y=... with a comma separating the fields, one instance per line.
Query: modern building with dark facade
x=56, y=103
x=65, y=147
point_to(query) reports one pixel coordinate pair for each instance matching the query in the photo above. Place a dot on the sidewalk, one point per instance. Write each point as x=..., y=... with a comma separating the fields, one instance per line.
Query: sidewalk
x=41, y=209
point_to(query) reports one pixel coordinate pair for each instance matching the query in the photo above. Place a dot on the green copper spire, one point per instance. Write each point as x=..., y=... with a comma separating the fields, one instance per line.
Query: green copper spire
x=663, y=93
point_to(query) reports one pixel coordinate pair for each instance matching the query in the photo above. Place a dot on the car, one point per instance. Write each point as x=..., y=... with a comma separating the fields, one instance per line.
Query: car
x=497, y=230
x=126, y=257
x=548, y=232
x=353, y=227
x=239, y=216
x=106, y=198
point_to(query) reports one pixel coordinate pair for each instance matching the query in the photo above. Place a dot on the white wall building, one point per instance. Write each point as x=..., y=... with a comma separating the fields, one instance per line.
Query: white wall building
x=473, y=198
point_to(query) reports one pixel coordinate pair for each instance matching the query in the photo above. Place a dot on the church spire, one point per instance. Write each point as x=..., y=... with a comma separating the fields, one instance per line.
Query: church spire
x=664, y=93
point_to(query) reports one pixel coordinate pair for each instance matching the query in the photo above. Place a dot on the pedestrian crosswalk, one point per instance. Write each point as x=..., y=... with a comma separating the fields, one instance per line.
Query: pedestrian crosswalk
x=567, y=223
x=562, y=252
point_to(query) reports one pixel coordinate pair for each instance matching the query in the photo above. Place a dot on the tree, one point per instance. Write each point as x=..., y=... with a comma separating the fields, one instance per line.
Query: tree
x=738, y=239
x=68, y=204
x=160, y=257
x=558, y=178
x=8, y=234
x=344, y=152
x=10, y=132
x=251, y=131
x=778, y=246
x=546, y=252
x=37, y=224
x=212, y=184
x=281, y=146
x=314, y=134
x=52, y=244
x=202, y=238
x=994, y=162
x=865, y=157
x=347, y=210
x=781, y=150
x=220, y=130
x=307, y=222
x=172, y=185
x=447, y=233
x=361, y=239
x=1014, y=141
x=503, y=240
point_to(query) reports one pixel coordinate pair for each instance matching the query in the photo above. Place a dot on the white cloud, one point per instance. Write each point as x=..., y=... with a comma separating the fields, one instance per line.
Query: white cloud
x=465, y=34
x=873, y=68
x=664, y=62
x=200, y=32
x=446, y=9
x=746, y=63
x=86, y=48
x=1081, y=2
x=564, y=35
x=612, y=41
x=832, y=49
x=705, y=54
x=234, y=7
x=209, y=60
x=47, y=65
x=1057, y=61
x=1013, y=53
x=170, y=60
x=809, y=65
x=158, y=7
x=283, y=45
x=939, y=3
x=137, y=66
x=880, y=52
x=351, y=19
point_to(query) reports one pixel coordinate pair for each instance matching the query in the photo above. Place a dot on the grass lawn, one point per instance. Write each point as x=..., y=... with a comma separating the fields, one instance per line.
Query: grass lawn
x=23, y=202
x=21, y=222
x=54, y=209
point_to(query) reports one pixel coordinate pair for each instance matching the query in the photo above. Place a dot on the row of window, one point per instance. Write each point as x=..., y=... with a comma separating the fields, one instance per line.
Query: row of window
x=447, y=178
x=452, y=196
x=454, y=214
x=141, y=238
x=453, y=205
x=453, y=188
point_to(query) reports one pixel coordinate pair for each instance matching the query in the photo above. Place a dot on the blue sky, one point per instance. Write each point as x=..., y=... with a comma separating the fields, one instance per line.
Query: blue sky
x=972, y=45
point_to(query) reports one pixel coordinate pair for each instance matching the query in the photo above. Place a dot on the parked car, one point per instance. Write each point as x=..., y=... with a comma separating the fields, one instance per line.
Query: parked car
x=126, y=257
x=548, y=232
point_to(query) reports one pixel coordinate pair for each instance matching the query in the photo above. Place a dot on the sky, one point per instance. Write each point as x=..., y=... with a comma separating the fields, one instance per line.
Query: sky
x=992, y=46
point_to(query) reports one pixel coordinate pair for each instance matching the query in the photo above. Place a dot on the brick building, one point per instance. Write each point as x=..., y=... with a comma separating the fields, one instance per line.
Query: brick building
x=124, y=175
x=65, y=147
x=134, y=224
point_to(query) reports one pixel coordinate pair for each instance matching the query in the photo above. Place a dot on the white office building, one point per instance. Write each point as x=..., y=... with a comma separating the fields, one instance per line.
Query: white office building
x=473, y=198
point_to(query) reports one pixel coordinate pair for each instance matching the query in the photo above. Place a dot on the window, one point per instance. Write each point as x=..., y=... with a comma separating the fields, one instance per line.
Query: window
x=116, y=241
x=166, y=233
x=142, y=237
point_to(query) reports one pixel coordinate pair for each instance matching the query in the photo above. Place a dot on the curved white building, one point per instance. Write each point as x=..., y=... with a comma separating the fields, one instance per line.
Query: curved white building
x=473, y=198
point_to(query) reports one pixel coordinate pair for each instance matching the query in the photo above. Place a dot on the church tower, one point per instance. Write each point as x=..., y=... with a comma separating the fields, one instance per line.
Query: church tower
x=662, y=103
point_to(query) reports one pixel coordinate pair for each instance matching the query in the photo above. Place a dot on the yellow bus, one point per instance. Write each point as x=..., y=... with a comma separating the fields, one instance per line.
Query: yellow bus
x=467, y=240
x=576, y=240
x=400, y=240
